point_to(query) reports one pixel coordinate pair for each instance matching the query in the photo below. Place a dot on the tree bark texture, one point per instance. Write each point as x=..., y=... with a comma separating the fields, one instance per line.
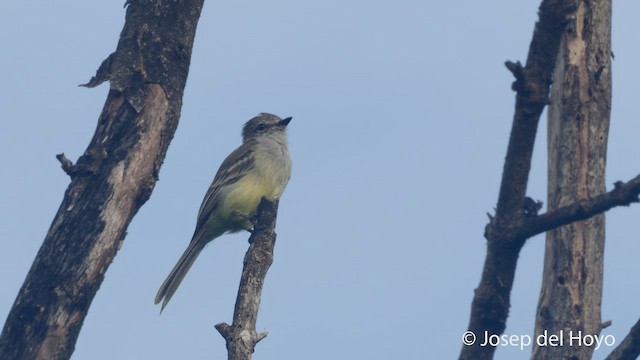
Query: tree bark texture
x=241, y=336
x=111, y=180
x=629, y=347
x=491, y=301
x=578, y=125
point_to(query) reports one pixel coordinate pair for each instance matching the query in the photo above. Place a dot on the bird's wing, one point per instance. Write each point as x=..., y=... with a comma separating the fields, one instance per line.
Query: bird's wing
x=233, y=168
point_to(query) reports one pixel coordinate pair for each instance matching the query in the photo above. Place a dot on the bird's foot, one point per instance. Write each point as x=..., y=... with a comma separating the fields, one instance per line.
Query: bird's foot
x=250, y=219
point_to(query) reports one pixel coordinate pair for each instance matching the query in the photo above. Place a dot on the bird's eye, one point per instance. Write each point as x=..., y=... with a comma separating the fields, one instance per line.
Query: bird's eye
x=261, y=127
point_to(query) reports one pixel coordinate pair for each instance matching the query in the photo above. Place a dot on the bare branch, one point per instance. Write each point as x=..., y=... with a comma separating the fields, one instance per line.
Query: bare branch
x=532, y=94
x=241, y=336
x=629, y=348
x=623, y=194
x=491, y=302
x=110, y=182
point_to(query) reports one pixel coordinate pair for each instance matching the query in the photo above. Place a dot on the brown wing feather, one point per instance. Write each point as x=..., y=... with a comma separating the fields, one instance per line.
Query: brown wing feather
x=232, y=169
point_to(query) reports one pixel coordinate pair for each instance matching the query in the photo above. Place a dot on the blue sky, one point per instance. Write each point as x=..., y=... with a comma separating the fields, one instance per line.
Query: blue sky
x=401, y=111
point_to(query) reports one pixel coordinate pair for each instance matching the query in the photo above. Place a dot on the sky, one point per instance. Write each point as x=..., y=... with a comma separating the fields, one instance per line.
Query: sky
x=401, y=114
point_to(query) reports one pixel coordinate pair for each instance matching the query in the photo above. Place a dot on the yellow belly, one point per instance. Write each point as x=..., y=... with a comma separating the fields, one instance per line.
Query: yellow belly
x=244, y=197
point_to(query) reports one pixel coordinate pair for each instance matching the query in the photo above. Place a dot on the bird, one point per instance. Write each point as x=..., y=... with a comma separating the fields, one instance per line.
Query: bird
x=260, y=167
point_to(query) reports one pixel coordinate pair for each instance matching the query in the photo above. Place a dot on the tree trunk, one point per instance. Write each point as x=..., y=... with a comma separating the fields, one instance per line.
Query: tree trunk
x=111, y=180
x=578, y=124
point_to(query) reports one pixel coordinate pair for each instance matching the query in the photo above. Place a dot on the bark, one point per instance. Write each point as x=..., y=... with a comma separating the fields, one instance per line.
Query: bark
x=629, y=348
x=578, y=128
x=241, y=336
x=491, y=302
x=111, y=180
x=622, y=194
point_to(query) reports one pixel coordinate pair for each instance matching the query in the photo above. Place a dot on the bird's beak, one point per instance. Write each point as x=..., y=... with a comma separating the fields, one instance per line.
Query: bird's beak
x=285, y=122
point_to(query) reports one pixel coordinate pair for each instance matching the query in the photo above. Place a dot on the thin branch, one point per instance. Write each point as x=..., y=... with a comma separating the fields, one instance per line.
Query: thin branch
x=241, y=336
x=491, y=302
x=623, y=194
x=629, y=348
x=532, y=95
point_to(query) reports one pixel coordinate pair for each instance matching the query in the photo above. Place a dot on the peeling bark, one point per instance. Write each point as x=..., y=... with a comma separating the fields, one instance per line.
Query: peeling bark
x=110, y=181
x=578, y=129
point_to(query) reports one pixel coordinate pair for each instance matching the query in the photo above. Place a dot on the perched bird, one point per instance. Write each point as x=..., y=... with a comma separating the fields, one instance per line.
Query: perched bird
x=261, y=166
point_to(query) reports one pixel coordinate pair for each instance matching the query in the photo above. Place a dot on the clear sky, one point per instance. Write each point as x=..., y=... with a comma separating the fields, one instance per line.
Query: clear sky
x=401, y=111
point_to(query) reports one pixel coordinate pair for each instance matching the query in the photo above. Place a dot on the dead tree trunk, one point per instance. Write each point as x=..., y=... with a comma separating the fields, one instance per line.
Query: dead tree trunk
x=578, y=129
x=111, y=180
x=504, y=233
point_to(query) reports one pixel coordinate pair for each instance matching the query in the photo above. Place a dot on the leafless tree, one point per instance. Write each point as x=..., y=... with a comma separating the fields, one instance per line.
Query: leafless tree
x=110, y=181
x=571, y=45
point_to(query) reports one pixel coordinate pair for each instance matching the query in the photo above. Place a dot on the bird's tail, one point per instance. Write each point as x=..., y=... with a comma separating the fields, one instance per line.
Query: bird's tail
x=178, y=273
